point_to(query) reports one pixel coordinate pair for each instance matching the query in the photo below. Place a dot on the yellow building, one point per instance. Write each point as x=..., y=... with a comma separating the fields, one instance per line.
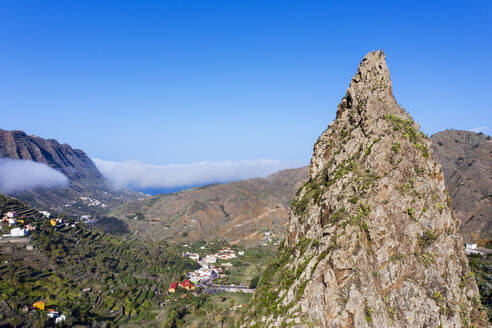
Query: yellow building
x=53, y=222
x=39, y=305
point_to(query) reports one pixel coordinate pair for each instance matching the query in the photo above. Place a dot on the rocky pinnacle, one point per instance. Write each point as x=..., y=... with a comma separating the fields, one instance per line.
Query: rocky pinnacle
x=371, y=241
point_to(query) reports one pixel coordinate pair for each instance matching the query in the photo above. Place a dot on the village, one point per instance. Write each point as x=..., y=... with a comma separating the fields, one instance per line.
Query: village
x=18, y=227
x=209, y=270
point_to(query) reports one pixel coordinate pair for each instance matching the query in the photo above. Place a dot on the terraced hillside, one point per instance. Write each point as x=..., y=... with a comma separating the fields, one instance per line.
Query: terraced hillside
x=8, y=204
x=88, y=276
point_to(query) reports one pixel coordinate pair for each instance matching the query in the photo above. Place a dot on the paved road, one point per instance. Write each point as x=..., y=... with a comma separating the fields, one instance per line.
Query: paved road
x=230, y=289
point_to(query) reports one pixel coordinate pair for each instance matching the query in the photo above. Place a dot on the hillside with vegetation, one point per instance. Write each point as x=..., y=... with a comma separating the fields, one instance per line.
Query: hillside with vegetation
x=86, y=275
x=250, y=212
x=466, y=159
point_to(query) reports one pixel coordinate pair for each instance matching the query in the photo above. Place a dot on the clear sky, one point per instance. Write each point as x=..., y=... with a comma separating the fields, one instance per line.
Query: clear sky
x=174, y=82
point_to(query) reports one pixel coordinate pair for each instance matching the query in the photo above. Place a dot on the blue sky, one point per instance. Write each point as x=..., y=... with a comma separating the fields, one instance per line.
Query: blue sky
x=175, y=82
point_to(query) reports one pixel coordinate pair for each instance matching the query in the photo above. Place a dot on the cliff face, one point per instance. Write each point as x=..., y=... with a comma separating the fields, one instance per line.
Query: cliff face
x=372, y=241
x=249, y=212
x=85, y=179
x=74, y=163
x=466, y=159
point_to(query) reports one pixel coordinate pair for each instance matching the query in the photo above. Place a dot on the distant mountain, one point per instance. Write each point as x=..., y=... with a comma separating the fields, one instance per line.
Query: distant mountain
x=466, y=160
x=250, y=211
x=199, y=213
x=88, y=192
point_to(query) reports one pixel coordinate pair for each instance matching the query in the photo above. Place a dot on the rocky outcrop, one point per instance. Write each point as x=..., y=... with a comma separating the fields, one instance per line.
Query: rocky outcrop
x=466, y=160
x=85, y=179
x=372, y=241
x=249, y=212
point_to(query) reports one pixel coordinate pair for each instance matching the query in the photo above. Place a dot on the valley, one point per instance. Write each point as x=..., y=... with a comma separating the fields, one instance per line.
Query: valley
x=371, y=234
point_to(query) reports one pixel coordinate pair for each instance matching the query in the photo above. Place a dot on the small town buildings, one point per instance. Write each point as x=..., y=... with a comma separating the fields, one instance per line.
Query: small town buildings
x=30, y=227
x=60, y=319
x=53, y=314
x=46, y=213
x=194, y=256
x=18, y=232
x=241, y=253
x=172, y=287
x=474, y=249
x=186, y=284
x=39, y=305
x=12, y=221
x=11, y=214
x=227, y=265
x=210, y=259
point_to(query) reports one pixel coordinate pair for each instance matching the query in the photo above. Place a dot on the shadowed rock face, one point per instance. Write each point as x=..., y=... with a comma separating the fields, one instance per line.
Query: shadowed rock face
x=85, y=179
x=372, y=241
x=466, y=159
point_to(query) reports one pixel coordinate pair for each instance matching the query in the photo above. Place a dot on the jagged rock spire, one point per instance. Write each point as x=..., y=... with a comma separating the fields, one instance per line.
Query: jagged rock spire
x=372, y=241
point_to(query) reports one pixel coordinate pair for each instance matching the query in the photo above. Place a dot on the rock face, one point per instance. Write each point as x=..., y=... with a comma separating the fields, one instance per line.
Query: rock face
x=249, y=212
x=466, y=160
x=372, y=241
x=85, y=179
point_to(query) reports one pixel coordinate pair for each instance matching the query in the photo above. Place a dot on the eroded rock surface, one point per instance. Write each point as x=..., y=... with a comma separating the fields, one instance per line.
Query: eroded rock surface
x=371, y=241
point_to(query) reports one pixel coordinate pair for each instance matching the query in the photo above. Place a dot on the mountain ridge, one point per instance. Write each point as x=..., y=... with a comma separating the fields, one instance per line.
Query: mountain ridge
x=249, y=211
x=85, y=179
x=466, y=159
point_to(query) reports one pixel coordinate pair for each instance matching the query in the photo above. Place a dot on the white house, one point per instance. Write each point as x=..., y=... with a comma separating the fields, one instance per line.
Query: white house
x=18, y=232
x=60, y=319
x=472, y=249
x=46, y=213
x=53, y=314
x=11, y=214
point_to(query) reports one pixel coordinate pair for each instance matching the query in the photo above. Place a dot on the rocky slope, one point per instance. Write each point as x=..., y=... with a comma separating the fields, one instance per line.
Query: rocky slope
x=466, y=160
x=85, y=179
x=372, y=241
x=251, y=211
x=464, y=156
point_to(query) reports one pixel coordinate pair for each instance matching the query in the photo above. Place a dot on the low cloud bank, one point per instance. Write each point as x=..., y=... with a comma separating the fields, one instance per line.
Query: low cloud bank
x=141, y=175
x=20, y=175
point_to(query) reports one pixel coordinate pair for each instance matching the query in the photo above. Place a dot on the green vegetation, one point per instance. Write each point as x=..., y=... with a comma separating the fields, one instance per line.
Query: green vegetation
x=204, y=310
x=482, y=271
x=427, y=238
x=411, y=213
x=89, y=275
x=407, y=127
x=368, y=150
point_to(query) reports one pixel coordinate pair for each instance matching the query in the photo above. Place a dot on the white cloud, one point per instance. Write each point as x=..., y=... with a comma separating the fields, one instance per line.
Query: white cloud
x=141, y=175
x=480, y=129
x=19, y=175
